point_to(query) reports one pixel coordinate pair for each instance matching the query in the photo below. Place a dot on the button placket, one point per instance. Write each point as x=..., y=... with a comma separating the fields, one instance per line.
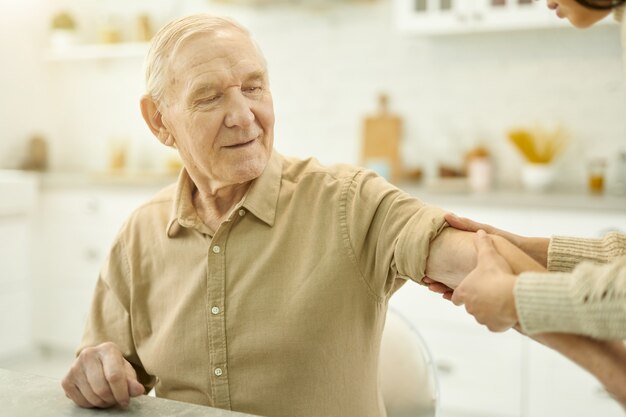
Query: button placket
x=216, y=283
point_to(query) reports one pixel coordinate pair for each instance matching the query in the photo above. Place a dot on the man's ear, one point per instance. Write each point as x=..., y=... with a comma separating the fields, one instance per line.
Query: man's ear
x=154, y=120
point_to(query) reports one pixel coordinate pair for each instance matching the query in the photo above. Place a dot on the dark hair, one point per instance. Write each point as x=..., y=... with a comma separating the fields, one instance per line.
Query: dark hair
x=601, y=4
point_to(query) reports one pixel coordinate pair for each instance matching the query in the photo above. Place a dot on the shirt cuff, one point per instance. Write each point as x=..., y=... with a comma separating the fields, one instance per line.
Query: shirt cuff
x=418, y=234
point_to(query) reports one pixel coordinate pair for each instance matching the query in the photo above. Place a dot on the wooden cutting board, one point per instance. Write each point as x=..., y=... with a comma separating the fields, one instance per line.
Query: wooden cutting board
x=381, y=142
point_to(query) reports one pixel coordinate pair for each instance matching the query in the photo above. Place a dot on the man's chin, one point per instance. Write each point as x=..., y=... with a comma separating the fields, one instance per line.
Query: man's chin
x=249, y=170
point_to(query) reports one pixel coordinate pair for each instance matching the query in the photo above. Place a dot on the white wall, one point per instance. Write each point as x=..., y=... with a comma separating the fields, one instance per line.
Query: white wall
x=326, y=70
x=23, y=95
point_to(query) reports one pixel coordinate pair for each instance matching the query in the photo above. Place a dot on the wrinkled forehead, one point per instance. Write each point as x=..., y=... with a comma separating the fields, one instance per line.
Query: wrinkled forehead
x=223, y=44
x=214, y=58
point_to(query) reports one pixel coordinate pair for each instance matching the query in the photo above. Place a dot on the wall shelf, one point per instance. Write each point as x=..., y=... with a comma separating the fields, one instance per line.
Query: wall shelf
x=442, y=17
x=97, y=52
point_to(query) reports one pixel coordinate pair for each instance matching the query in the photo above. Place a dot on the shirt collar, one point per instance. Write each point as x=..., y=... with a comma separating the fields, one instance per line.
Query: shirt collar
x=260, y=200
x=262, y=197
x=183, y=213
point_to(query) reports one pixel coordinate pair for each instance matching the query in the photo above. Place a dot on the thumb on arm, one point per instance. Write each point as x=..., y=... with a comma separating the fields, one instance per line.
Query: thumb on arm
x=483, y=244
x=484, y=248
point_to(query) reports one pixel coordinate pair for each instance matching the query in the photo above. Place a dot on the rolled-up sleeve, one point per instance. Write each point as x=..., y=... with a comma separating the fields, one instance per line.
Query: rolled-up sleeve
x=389, y=231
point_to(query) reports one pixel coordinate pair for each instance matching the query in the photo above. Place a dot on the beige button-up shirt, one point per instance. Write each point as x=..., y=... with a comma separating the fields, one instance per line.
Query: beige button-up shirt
x=280, y=313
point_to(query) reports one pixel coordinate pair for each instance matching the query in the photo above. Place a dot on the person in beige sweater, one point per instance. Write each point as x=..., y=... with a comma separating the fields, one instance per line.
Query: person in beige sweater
x=583, y=290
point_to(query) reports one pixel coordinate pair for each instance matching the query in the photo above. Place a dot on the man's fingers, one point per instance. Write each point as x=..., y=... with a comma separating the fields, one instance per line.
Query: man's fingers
x=439, y=288
x=96, y=389
x=88, y=393
x=115, y=373
x=73, y=393
x=134, y=387
x=99, y=378
x=436, y=286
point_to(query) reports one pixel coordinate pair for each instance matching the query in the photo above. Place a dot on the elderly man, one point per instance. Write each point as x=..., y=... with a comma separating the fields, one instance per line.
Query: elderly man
x=258, y=283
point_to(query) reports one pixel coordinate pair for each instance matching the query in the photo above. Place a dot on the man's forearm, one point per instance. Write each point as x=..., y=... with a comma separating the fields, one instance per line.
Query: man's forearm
x=453, y=256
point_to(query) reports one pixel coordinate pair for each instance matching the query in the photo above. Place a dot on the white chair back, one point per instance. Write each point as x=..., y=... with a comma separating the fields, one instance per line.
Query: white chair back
x=407, y=374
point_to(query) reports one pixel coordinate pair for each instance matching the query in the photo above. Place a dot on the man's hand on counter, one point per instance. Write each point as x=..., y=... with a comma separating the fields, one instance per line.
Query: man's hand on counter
x=101, y=378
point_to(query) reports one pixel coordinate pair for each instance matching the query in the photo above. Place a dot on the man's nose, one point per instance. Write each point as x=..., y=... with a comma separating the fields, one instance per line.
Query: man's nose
x=238, y=112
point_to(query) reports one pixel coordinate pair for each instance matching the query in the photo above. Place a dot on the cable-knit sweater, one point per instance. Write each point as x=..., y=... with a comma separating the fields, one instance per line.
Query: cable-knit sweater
x=584, y=292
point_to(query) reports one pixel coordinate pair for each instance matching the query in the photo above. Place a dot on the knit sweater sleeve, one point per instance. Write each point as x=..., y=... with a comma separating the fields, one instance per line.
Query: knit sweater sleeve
x=588, y=294
x=564, y=253
x=586, y=291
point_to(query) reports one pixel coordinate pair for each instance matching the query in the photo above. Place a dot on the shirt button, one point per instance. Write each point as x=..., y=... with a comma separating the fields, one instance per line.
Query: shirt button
x=216, y=249
x=242, y=213
x=218, y=372
x=215, y=310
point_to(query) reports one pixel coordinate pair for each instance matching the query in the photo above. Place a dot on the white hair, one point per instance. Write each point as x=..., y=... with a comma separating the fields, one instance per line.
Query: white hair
x=171, y=36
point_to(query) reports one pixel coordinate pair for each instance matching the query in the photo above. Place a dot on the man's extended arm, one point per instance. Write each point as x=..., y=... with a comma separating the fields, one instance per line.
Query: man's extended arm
x=452, y=256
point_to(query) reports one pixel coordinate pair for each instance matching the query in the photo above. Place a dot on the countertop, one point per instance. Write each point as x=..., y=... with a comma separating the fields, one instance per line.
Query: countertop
x=439, y=193
x=86, y=178
x=104, y=178
x=18, y=191
x=557, y=199
x=30, y=395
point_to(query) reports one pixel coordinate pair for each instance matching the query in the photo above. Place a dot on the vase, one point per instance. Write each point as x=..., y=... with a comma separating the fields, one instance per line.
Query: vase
x=537, y=177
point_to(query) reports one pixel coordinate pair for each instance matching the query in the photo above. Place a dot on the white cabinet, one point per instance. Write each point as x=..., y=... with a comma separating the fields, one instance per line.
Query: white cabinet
x=459, y=16
x=18, y=192
x=77, y=226
x=558, y=388
x=14, y=285
x=479, y=373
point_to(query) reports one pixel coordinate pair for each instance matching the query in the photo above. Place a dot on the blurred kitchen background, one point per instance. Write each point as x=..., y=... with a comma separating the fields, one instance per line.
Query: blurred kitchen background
x=444, y=97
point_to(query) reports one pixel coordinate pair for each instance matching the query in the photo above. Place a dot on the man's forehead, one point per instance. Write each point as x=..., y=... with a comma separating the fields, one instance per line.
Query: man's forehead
x=219, y=73
x=222, y=42
x=219, y=51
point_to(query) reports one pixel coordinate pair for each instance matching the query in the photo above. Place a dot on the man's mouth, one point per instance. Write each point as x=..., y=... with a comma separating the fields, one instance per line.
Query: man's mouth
x=241, y=144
